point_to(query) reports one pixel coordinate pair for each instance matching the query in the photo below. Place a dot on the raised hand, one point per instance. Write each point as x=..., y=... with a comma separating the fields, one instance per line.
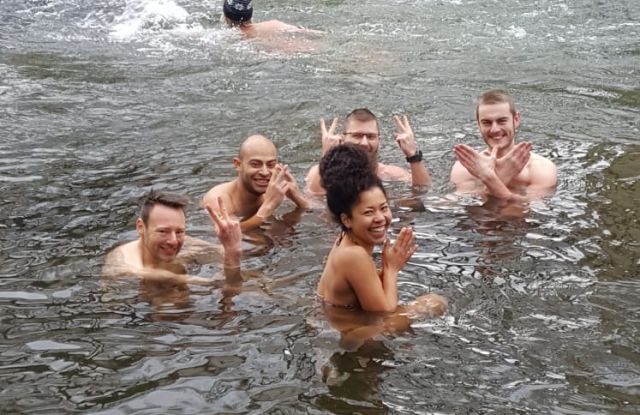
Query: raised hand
x=329, y=137
x=512, y=163
x=293, y=191
x=404, y=136
x=276, y=191
x=227, y=229
x=477, y=164
x=395, y=256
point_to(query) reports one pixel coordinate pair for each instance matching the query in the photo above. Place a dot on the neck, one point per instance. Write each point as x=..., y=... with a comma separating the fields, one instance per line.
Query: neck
x=503, y=151
x=242, y=195
x=245, y=203
x=355, y=241
x=148, y=261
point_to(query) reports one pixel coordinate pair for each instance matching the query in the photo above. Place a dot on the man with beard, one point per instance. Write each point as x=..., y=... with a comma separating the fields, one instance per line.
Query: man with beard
x=504, y=169
x=361, y=128
x=158, y=254
x=261, y=185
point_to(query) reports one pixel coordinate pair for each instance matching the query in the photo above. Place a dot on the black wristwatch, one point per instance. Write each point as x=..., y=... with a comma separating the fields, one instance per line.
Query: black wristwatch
x=415, y=158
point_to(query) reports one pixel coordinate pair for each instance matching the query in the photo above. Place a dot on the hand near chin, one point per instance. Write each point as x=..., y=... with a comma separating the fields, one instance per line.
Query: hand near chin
x=396, y=255
x=276, y=191
x=293, y=191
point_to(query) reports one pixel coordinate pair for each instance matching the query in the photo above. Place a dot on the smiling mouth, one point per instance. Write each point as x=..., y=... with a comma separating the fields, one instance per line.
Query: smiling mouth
x=379, y=231
x=169, y=252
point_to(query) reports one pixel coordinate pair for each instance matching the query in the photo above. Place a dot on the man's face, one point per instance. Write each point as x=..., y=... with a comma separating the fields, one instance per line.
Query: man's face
x=255, y=167
x=497, y=125
x=363, y=133
x=163, y=235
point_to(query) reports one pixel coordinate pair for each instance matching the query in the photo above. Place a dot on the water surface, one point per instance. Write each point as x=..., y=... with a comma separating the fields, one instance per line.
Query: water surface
x=102, y=101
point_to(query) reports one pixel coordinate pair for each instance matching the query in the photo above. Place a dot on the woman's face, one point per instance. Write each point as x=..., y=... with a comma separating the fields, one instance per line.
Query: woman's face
x=370, y=217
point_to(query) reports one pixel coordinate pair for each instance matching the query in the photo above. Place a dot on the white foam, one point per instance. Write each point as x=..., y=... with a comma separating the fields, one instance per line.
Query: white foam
x=517, y=32
x=148, y=15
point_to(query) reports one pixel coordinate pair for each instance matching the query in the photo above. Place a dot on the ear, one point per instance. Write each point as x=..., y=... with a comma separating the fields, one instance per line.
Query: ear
x=346, y=220
x=236, y=163
x=140, y=227
x=516, y=120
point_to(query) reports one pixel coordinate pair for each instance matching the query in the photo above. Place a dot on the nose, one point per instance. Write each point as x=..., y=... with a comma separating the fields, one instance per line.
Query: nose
x=173, y=238
x=264, y=170
x=494, y=127
x=364, y=142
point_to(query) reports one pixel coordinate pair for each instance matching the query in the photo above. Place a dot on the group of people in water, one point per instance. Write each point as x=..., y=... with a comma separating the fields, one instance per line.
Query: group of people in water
x=351, y=177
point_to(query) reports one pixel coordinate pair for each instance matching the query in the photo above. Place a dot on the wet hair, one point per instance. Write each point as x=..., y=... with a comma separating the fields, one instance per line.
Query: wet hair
x=495, y=96
x=363, y=115
x=238, y=11
x=345, y=172
x=172, y=200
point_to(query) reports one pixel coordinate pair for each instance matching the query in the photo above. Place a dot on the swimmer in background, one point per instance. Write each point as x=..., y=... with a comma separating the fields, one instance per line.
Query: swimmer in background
x=362, y=129
x=505, y=170
x=351, y=288
x=238, y=14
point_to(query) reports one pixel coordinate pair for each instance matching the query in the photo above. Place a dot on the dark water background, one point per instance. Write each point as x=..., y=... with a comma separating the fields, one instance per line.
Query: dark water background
x=102, y=100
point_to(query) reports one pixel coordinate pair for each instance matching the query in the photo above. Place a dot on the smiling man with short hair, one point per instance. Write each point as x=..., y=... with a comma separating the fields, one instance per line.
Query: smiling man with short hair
x=261, y=185
x=504, y=169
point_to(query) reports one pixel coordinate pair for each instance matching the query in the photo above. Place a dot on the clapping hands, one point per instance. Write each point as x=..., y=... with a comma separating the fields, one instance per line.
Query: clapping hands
x=396, y=255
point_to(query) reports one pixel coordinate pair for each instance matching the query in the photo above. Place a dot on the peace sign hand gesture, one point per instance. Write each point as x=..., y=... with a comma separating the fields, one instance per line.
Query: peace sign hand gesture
x=329, y=137
x=404, y=136
x=227, y=229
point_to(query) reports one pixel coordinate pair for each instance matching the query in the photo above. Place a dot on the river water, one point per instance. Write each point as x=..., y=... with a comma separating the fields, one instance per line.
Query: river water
x=103, y=100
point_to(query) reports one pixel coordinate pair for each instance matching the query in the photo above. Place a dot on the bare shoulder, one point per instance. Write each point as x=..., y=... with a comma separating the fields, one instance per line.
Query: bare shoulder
x=391, y=172
x=543, y=171
x=122, y=258
x=222, y=190
x=313, y=180
x=199, y=251
x=313, y=171
x=276, y=26
x=351, y=257
x=459, y=173
x=541, y=161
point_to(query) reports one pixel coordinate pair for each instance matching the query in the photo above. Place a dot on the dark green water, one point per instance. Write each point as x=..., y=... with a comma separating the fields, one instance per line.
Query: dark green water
x=101, y=101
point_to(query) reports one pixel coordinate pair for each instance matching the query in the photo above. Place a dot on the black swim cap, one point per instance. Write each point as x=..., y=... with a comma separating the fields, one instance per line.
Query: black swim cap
x=238, y=10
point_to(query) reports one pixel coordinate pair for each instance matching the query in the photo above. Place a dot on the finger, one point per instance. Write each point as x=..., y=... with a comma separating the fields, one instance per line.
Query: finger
x=334, y=125
x=323, y=127
x=494, y=152
x=404, y=238
x=282, y=175
x=385, y=245
x=214, y=216
x=397, y=122
x=412, y=250
x=222, y=209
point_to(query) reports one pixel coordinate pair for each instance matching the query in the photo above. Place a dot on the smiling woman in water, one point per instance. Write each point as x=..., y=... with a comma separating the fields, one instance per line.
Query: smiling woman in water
x=350, y=280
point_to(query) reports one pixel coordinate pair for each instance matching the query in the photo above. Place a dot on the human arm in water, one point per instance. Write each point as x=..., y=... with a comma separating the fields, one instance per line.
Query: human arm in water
x=377, y=291
x=329, y=139
x=406, y=140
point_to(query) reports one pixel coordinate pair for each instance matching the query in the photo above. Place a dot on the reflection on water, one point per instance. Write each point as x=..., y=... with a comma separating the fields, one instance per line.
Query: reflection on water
x=102, y=101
